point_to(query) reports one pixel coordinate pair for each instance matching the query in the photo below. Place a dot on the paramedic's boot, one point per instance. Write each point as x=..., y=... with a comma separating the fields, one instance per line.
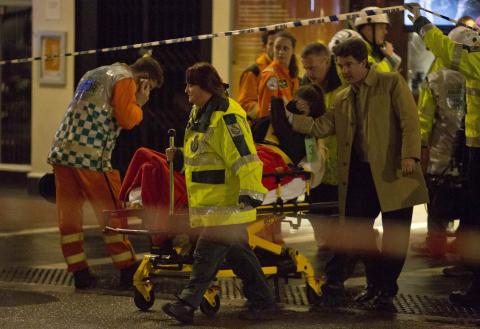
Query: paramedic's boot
x=269, y=312
x=126, y=275
x=333, y=293
x=179, y=310
x=367, y=294
x=83, y=279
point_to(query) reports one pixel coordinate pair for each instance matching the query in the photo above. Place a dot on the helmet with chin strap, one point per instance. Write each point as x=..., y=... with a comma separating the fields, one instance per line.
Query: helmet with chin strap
x=464, y=35
x=375, y=19
x=342, y=36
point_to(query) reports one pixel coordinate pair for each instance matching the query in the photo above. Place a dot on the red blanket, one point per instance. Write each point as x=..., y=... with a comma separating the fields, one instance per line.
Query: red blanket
x=149, y=169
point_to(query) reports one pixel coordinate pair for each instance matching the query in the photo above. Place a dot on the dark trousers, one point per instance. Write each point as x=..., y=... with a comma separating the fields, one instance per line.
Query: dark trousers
x=226, y=243
x=470, y=224
x=362, y=207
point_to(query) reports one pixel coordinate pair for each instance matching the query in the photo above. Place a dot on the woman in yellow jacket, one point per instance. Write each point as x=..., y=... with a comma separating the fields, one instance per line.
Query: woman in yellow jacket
x=223, y=177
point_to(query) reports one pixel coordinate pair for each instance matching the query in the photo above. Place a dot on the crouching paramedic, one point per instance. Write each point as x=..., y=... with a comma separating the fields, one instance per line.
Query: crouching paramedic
x=106, y=100
x=223, y=177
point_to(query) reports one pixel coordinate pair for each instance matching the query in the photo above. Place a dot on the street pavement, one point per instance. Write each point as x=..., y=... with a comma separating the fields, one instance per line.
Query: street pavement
x=29, y=240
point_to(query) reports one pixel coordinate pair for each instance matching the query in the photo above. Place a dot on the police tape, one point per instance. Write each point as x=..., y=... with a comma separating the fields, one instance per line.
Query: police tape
x=458, y=23
x=273, y=27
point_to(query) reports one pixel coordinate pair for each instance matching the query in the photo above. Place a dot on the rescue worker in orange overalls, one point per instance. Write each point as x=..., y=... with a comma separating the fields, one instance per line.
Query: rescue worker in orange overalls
x=106, y=100
x=279, y=79
x=248, y=97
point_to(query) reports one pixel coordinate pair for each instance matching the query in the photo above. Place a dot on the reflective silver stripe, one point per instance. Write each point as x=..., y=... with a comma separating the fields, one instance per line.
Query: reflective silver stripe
x=253, y=194
x=77, y=258
x=216, y=211
x=113, y=238
x=204, y=160
x=473, y=91
x=70, y=238
x=425, y=29
x=472, y=141
x=118, y=258
x=243, y=161
x=457, y=55
x=84, y=149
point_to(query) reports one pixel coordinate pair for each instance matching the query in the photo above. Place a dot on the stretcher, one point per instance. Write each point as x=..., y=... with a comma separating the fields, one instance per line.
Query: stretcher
x=276, y=260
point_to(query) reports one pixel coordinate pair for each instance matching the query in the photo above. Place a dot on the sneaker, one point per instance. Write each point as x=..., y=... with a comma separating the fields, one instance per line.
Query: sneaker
x=268, y=312
x=180, y=311
x=83, y=279
x=126, y=275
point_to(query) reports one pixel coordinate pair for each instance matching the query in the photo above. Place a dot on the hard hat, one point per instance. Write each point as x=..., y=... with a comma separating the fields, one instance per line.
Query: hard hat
x=341, y=36
x=464, y=35
x=375, y=19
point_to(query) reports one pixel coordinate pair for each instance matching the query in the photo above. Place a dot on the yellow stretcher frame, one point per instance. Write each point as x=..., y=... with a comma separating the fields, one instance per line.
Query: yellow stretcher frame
x=149, y=268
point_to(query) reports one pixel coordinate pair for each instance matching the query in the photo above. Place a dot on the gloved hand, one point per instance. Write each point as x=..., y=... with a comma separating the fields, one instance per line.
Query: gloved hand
x=290, y=109
x=414, y=9
x=246, y=201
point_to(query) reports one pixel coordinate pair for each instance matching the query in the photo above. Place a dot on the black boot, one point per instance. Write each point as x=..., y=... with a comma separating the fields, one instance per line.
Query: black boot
x=179, y=310
x=470, y=297
x=83, y=279
x=266, y=312
x=367, y=294
x=333, y=293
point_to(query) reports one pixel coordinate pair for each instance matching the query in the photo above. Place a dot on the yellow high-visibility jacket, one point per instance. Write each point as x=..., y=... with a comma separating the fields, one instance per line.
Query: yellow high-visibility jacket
x=221, y=164
x=466, y=60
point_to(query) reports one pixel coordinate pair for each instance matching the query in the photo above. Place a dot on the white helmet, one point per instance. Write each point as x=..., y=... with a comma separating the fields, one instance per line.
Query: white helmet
x=341, y=36
x=375, y=19
x=464, y=35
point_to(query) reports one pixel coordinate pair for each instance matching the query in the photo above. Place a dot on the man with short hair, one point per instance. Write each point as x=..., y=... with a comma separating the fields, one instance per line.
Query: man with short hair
x=106, y=100
x=320, y=69
x=378, y=135
x=248, y=97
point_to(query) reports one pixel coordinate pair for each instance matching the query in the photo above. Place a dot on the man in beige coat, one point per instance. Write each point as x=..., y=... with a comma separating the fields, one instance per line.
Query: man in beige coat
x=378, y=136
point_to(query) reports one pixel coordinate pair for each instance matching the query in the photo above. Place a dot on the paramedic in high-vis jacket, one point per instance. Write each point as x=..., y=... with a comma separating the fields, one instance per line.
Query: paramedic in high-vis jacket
x=223, y=176
x=466, y=60
x=106, y=100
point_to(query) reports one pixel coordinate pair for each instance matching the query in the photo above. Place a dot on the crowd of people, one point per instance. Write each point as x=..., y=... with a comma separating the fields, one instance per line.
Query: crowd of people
x=351, y=109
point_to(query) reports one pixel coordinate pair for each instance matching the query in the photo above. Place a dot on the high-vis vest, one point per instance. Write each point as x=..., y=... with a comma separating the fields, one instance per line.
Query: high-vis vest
x=448, y=94
x=89, y=130
x=466, y=60
x=220, y=164
x=385, y=64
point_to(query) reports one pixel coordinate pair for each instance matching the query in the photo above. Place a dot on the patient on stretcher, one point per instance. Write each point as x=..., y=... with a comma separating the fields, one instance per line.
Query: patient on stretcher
x=281, y=150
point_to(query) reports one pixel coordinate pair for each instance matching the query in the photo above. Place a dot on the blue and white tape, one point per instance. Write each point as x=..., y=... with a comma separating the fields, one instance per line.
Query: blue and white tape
x=292, y=24
x=304, y=22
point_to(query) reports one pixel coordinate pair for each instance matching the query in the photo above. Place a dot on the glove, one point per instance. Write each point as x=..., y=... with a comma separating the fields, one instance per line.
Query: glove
x=245, y=201
x=414, y=9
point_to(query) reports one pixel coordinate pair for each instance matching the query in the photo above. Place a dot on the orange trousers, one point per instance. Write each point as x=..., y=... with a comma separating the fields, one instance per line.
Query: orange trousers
x=73, y=187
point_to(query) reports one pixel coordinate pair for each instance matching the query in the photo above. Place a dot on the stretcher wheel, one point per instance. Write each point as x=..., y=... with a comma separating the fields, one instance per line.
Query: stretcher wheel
x=312, y=297
x=141, y=302
x=209, y=309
